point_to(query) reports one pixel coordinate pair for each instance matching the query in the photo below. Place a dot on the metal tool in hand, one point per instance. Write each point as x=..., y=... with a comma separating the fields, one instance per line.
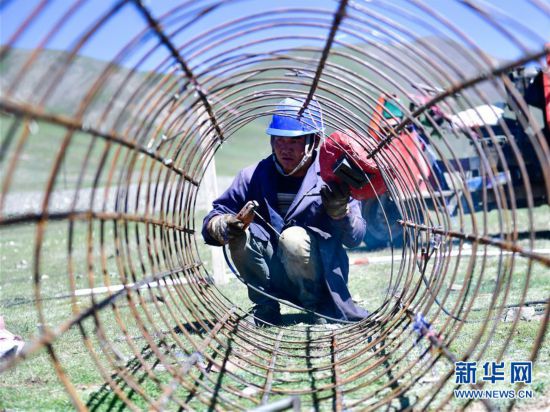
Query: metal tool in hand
x=246, y=214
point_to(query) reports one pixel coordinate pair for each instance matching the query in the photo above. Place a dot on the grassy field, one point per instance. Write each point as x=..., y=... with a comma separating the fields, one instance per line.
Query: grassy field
x=65, y=265
x=34, y=383
x=82, y=159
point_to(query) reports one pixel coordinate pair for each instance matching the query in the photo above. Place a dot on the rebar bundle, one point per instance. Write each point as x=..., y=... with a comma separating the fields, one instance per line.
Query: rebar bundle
x=136, y=134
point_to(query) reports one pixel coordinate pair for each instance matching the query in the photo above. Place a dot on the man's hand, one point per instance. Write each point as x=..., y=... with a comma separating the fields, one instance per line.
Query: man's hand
x=225, y=228
x=335, y=198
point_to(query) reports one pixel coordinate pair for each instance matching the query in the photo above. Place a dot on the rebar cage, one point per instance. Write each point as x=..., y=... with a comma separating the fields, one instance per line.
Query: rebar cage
x=102, y=162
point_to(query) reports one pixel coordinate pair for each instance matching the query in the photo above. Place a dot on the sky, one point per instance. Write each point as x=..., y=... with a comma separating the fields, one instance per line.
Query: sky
x=125, y=26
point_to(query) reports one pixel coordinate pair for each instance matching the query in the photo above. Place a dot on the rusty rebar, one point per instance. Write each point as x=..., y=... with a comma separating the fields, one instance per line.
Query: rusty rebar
x=139, y=132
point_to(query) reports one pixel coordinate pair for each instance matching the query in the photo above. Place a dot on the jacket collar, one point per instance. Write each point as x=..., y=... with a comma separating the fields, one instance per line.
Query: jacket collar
x=311, y=185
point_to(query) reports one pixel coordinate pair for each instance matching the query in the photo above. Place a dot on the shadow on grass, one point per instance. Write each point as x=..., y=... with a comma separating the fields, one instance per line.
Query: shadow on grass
x=194, y=327
x=107, y=399
x=403, y=399
x=312, y=381
x=221, y=375
x=296, y=318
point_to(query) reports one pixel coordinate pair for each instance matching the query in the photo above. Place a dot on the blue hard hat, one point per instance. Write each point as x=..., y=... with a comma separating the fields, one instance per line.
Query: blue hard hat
x=285, y=121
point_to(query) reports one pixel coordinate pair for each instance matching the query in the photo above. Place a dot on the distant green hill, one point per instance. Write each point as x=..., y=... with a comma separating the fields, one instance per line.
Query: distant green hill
x=245, y=148
x=400, y=66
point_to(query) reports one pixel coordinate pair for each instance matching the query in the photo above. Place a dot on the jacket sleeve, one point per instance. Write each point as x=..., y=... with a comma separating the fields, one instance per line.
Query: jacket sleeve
x=353, y=226
x=231, y=201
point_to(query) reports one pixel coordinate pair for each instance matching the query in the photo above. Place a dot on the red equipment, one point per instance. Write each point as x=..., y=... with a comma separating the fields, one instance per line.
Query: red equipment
x=343, y=157
x=546, y=88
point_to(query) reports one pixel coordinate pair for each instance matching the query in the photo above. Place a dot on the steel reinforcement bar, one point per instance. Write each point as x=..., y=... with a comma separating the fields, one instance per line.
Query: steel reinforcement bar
x=112, y=115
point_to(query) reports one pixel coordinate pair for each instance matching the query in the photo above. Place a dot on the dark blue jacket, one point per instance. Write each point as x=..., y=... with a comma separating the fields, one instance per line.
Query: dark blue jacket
x=258, y=182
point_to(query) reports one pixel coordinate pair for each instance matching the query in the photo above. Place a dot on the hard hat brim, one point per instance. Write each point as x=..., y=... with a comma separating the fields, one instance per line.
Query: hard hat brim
x=289, y=133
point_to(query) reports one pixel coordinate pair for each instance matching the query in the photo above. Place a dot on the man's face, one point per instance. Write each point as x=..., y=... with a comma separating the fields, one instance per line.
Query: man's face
x=289, y=151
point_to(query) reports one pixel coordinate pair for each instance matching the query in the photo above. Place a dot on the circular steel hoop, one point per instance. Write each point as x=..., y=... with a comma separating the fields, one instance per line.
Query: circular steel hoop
x=107, y=135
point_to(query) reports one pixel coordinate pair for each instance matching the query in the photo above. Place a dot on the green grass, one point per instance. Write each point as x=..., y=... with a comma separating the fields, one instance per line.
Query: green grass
x=33, y=169
x=244, y=148
x=33, y=384
x=81, y=161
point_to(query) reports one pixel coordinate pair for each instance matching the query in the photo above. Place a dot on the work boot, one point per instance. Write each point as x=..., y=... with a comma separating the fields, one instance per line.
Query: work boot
x=266, y=315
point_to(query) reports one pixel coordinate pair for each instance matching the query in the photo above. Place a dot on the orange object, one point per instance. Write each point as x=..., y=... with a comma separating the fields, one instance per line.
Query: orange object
x=360, y=261
x=403, y=155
